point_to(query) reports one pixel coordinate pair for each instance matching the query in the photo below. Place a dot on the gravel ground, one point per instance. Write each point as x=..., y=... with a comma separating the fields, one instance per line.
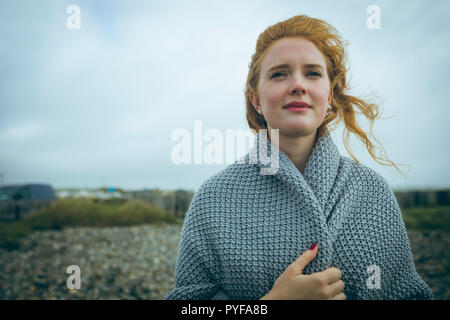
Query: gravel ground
x=138, y=263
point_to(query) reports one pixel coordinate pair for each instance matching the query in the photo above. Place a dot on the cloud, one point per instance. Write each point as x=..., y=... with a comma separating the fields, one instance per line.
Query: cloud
x=22, y=133
x=99, y=104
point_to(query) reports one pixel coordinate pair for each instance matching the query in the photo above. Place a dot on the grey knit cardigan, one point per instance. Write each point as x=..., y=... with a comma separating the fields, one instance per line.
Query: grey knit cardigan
x=245, y=227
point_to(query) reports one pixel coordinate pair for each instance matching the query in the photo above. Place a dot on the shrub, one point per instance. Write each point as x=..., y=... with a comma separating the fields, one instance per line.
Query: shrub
x=82, y=212
x=434, y=218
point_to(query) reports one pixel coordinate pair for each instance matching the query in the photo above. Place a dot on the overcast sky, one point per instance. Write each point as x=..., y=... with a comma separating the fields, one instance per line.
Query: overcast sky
x=97, y=106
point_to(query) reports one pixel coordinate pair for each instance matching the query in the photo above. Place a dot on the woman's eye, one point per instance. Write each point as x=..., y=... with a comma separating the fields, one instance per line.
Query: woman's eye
x=316, y=74
x=276, y=74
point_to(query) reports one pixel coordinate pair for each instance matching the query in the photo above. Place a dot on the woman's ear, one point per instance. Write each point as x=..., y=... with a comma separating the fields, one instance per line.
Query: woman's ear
x=254, y=100
x=330, y=97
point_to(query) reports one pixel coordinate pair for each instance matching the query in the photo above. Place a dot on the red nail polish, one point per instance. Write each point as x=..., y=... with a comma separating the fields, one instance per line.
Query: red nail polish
x=313, y=246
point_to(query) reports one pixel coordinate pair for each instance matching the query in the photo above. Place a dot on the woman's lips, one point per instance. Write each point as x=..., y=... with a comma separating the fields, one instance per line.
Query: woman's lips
x=297, y=106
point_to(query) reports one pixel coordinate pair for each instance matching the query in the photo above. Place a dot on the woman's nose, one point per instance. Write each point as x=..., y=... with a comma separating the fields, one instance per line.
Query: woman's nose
x=297, y=87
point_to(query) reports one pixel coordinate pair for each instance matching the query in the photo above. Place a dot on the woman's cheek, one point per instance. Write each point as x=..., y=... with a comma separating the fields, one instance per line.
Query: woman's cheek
x=321, y=114
x=273, y=100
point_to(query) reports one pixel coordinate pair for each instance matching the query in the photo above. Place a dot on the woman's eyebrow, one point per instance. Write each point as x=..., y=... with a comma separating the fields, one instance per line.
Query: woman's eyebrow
x=308, y=66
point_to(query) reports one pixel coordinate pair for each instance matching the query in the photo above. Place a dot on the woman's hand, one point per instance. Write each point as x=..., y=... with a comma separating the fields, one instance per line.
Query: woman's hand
x=293, y=285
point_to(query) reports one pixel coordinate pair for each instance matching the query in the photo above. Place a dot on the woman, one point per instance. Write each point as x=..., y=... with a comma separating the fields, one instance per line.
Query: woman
x=317, y=226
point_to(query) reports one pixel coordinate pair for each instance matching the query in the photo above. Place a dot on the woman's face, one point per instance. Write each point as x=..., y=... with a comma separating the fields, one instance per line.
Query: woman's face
x=293, y=70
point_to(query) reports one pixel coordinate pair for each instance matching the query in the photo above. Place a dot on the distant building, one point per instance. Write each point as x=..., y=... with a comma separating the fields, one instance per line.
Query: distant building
x=89, y=193
x=20, y=200
x=29, y=191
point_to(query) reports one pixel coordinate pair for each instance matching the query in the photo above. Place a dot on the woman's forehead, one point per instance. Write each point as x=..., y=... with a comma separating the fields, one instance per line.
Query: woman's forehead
x=292, y=51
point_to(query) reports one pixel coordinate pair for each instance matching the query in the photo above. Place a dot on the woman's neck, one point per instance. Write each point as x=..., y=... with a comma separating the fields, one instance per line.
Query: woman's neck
x=298, y=149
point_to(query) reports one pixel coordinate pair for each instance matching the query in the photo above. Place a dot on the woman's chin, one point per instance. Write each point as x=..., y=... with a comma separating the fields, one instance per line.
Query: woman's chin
x=297, y=129
x=294, y=127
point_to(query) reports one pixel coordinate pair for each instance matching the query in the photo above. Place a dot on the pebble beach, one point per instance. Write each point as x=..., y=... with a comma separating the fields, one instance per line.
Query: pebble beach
x=132, y=263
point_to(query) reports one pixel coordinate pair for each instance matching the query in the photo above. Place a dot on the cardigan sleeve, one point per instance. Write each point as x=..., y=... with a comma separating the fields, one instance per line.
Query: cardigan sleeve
x=400, y=280
x=221, y=295
x=194, y=279
x=406, y=283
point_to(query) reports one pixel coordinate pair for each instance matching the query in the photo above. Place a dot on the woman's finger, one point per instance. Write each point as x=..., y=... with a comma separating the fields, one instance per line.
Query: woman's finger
x=336, y=287
x=340, y=296
x=331, y=275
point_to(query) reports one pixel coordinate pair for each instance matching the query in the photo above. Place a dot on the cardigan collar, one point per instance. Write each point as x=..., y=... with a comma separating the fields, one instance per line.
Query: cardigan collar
x=320, y=172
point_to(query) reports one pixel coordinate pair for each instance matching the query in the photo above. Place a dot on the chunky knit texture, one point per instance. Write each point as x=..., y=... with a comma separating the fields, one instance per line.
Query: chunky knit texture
x=244, y=228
